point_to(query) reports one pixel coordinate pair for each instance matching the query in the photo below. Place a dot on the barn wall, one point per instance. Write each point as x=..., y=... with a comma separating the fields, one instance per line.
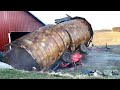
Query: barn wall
x=16, y=21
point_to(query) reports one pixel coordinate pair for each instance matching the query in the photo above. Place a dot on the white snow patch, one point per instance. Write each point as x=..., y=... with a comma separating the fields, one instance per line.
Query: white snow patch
x=5, y=66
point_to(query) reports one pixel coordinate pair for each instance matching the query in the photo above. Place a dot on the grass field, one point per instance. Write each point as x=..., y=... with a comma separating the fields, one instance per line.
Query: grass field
x=20, y=74
x=111, y=38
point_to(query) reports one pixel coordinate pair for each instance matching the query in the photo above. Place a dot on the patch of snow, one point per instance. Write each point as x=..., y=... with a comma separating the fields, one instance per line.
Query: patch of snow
x=5, y=66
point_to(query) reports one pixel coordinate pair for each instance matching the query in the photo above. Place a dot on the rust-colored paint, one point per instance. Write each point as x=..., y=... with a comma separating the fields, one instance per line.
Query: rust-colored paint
x=16, y=21
x=47, y=43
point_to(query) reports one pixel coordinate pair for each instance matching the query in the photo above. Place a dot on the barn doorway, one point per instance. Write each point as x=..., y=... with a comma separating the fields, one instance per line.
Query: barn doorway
x=15, y=35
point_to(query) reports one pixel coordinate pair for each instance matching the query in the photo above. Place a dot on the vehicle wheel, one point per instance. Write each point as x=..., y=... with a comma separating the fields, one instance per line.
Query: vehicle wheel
x=83, y=48
x=66, y=57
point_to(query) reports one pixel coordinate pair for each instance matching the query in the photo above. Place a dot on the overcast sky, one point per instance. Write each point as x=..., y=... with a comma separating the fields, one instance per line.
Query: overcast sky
x=98, y=19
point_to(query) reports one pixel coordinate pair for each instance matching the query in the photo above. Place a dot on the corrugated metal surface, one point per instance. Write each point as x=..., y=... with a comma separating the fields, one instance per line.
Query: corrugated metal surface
x=16, y=21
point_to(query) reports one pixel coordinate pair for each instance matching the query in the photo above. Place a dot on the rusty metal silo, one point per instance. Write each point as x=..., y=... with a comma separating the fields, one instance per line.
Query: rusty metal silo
x=44, y=46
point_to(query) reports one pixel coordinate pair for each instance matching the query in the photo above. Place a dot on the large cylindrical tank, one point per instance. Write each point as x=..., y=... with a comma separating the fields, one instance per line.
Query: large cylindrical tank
x=44, y=46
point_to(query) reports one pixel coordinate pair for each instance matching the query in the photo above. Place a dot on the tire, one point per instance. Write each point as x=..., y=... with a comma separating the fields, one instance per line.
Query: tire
x=66, y=57
x=83, y=49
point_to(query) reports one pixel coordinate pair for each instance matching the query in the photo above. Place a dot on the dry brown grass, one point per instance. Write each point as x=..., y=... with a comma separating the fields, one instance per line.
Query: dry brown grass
x=116, y=29
x=111, y=38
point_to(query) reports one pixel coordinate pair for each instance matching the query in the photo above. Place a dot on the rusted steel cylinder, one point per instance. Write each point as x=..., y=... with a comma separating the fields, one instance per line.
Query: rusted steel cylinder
x=47, y=44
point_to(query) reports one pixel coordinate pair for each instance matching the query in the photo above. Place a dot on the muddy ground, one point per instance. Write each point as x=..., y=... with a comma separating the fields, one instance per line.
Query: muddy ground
x=104, y=61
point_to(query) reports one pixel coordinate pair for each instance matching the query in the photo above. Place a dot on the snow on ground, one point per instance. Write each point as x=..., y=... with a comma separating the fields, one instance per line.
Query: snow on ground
x=5, y=66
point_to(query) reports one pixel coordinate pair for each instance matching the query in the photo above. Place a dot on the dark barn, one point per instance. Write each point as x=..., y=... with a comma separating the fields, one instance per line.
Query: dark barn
x=14, y=24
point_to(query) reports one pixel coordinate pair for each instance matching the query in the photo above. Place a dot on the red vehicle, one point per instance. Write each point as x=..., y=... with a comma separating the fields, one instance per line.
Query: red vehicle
x=69, y=59
x=73, y=59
